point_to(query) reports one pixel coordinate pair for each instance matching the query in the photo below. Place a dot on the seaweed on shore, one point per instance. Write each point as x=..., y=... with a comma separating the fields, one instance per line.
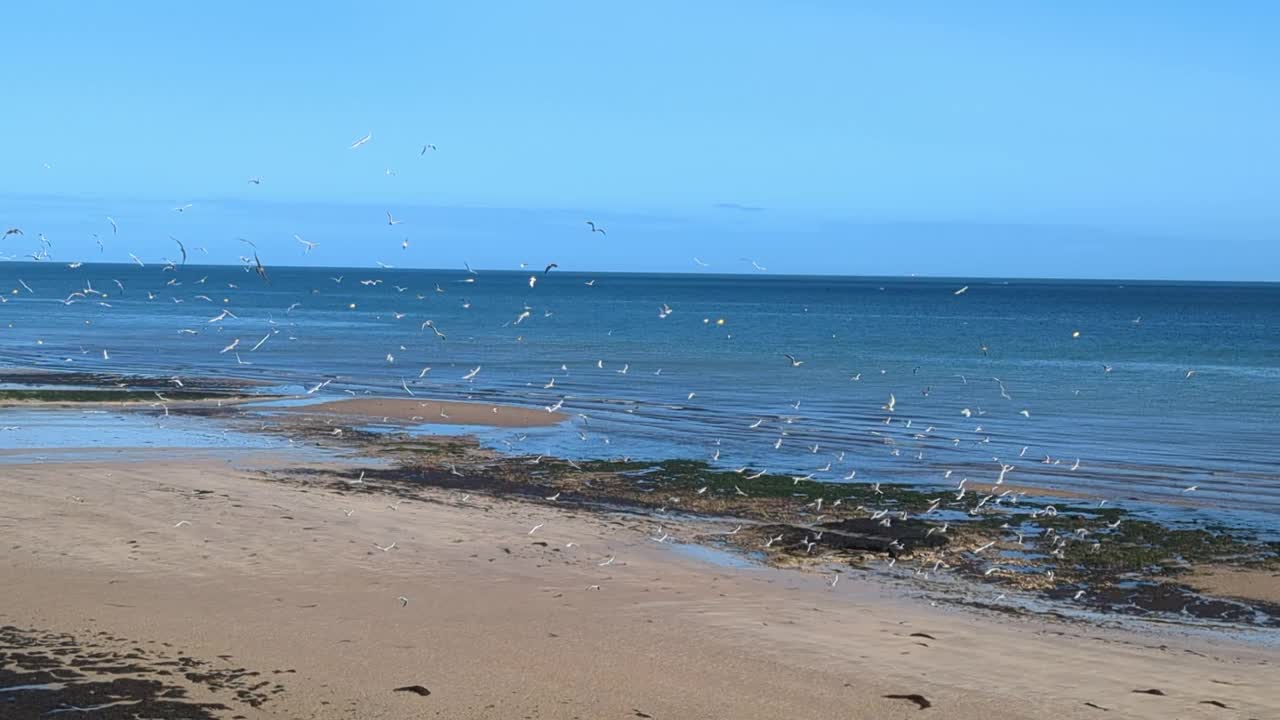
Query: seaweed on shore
x=111, y=395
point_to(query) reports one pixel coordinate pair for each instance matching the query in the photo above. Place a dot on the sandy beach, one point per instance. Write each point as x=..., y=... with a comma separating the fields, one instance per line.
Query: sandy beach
x=234, y=580
x=438, y=412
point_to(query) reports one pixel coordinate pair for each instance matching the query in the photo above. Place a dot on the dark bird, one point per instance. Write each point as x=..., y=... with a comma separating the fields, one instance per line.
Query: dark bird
x=913, y=697
x=1152, y=691
x=597, y=229
x=255, y=181
x=415, y=689
x=12, y=231
x=425, y=148
x=923, y=635
x=262, y=272
x=549, y=267
x=181, y=247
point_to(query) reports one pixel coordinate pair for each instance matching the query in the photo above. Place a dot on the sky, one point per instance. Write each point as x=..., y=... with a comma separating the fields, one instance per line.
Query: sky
x=1085, y=139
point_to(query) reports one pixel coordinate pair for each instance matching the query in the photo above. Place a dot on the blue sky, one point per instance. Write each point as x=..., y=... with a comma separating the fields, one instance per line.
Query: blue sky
x=1094, y=139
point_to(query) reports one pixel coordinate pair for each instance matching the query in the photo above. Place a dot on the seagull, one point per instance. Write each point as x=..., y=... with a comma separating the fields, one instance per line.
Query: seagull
x=550, y=268
x=182, y=208
x=699, y=263
x=391, y=220
x=608, y=562
x=137, y=260
x=470, y=375
x=361, y=141
x=794, y=362
x=961, y=291
x=17, y=231
x=1189, y=374
x=431, y=324
x=425, y=148
x=595, y=229
x=388, y=548
x=181, y=247
x=404, y=601
x=307, y=247
x=262, y=271
x=180, y=523
x=893, y=401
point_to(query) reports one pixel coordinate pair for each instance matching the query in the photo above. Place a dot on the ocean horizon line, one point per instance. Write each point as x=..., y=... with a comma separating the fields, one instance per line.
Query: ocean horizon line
x=764, y=276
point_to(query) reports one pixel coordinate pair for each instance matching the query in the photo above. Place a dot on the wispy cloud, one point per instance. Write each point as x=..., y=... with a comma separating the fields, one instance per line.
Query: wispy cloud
x=739, y=207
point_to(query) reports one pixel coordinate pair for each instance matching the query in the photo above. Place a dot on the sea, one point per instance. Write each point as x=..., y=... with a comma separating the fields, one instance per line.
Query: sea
x=1125, y=392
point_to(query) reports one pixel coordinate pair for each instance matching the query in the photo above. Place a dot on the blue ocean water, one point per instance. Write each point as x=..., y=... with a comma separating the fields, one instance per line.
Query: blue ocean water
x=693, y=382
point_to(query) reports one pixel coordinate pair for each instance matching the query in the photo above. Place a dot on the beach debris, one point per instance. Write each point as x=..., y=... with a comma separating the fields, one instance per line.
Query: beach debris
x=916, y=698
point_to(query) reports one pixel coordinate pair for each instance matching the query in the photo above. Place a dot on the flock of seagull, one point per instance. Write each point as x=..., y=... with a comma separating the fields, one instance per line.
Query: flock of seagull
x=893, y=420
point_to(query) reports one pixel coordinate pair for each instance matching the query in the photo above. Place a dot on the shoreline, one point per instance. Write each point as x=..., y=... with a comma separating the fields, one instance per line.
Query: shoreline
x=1142, y=569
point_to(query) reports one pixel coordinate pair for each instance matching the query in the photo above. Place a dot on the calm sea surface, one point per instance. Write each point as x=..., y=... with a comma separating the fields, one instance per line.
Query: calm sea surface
x=696, y=381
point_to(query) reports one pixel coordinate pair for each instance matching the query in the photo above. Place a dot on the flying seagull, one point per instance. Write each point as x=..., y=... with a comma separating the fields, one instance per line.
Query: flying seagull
x=307, y=247
x=425, y=148
x=181, y=247
x=391, y=220
x=262, y=272
x=595, y=229
x=361, y=141
x=549, y=268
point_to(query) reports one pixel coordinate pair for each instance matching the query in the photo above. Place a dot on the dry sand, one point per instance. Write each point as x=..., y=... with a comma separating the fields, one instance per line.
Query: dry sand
x=440, y=412
x=276, y=578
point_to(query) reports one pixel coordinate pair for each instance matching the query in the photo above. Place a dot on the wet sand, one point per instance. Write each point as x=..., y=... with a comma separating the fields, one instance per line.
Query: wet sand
x=1246, y=583
x=269, y=600
x=438, y=412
